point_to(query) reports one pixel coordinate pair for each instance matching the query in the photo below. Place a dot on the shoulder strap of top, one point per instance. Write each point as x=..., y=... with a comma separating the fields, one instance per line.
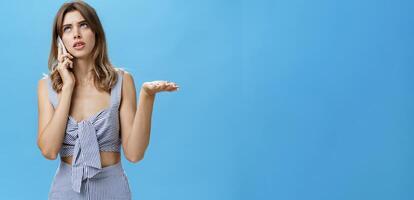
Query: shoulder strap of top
x=117, y=89
x=53, y=98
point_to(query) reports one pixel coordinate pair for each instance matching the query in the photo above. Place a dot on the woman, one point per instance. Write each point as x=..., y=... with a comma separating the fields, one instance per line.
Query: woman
x=87, y=110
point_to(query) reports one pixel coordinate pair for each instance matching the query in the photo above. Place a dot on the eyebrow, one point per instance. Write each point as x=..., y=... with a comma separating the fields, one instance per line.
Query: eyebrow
x=64, y=25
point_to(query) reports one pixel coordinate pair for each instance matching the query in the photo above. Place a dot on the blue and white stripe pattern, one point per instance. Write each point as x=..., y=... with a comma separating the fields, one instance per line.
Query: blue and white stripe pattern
x=85, y=139
x=110, y=183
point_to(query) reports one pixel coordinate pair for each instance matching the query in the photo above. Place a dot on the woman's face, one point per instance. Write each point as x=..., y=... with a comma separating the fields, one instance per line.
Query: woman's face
x=77, y=36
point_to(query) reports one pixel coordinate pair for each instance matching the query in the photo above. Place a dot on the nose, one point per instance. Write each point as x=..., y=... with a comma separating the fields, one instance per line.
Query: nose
x=76, y=33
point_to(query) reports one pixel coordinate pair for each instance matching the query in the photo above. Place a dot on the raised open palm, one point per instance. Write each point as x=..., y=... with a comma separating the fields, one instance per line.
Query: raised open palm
x=151, y=88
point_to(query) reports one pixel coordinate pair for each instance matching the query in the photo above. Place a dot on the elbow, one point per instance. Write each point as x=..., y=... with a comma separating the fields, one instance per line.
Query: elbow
x=134, y=159
x=47, y=152
x=49, y=155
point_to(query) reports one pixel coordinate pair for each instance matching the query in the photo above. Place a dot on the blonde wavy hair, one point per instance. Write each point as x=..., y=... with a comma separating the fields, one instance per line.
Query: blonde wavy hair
x=104, y=74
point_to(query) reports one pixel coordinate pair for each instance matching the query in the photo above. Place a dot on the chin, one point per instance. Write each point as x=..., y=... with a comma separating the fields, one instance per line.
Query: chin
x=80, y=55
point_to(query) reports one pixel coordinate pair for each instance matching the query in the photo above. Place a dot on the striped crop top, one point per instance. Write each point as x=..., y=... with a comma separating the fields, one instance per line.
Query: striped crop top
x=85, y=139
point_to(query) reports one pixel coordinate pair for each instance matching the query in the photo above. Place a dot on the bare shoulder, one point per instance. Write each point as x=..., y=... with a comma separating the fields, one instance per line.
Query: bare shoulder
x=128, y=78
x=43, y=93
x=42, y=86
x=128, y=88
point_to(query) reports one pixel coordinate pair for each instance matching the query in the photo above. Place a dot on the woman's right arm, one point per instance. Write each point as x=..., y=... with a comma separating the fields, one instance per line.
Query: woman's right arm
x=52, y=122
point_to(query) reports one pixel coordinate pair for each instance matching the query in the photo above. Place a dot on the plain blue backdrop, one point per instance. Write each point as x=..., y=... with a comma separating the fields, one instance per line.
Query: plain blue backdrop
x=278, y=100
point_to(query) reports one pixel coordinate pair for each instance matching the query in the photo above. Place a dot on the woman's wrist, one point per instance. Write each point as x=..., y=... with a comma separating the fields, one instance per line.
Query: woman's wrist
x=146, y=93
x=67, y=88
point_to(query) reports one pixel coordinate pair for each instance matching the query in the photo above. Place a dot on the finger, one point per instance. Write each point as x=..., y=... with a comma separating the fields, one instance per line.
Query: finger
x=64, y=64
x=63, y=57
x=172, y=87
x=69, y=63
x=68, y=56
x=60, y=58
x=173, y=84
x=168, y=88
x=164, y=85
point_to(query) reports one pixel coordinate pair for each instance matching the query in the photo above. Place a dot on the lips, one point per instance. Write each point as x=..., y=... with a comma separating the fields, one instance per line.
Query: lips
x=79, y=45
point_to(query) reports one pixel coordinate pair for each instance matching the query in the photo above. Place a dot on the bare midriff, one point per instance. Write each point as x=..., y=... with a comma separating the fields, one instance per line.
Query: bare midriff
x=107, y=158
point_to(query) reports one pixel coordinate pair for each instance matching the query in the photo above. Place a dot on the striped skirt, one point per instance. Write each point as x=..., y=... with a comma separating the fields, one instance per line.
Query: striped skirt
x=110, y=183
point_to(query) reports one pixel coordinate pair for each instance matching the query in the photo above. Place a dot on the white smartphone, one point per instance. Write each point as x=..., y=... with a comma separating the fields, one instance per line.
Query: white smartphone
x=61, y=45
x=62, y=48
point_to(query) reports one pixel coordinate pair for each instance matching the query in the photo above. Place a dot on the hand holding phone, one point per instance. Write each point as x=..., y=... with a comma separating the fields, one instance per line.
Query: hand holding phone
x=65, y=65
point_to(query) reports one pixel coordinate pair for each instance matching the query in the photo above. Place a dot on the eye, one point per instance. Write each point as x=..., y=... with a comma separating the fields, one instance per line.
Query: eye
x=66, y=29
x=84, y=25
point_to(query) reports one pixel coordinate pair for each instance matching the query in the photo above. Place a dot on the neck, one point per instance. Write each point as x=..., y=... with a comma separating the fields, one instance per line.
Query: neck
x=82, y=70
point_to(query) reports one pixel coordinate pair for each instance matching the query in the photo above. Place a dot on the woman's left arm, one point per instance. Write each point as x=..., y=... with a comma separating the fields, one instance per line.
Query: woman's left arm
x=136, y=123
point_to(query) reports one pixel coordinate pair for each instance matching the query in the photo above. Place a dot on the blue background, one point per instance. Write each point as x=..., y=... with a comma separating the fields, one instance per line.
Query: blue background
x=278, y=100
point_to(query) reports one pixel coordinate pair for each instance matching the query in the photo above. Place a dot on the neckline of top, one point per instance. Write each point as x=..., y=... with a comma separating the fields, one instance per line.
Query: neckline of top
x=92, y=116
x=111, y=103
